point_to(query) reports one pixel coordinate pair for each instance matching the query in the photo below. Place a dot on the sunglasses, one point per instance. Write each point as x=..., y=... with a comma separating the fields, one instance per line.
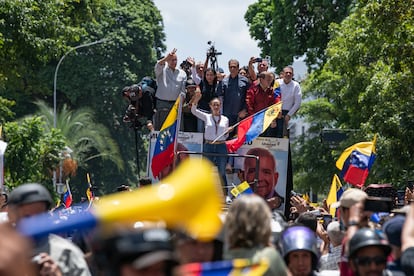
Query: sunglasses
x=365, y=261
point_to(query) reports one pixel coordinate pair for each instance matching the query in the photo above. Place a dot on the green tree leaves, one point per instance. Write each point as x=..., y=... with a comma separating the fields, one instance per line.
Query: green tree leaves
x=31, y=152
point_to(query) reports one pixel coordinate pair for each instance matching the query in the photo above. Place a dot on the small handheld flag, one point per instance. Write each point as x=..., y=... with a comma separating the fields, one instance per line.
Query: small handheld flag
x=334, y=194
x=242, y=188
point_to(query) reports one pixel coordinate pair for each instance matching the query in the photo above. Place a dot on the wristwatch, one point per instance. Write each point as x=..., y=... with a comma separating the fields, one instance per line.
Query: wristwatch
x=353, y=223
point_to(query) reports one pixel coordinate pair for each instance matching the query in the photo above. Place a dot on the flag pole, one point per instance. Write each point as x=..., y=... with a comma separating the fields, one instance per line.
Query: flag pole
x=180, y=105
x=228, y=130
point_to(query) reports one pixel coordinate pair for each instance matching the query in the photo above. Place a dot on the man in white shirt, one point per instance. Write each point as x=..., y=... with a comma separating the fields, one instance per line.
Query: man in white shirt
x=170, y=83
x=291, y=98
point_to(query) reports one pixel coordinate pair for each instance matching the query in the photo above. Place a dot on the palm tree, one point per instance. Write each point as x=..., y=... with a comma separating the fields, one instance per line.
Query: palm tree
x=83, y=135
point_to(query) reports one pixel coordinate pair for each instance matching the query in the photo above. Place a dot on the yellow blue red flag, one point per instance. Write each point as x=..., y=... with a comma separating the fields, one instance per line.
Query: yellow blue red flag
x=254, y=125
x=356, y=162
x=335, y=193
x=164, y=146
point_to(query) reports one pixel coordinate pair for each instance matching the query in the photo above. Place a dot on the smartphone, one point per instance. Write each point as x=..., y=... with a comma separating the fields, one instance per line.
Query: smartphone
x=400, y=196
x=293, y=193
x=378, y=204
x=326, y=220
x=258, y=60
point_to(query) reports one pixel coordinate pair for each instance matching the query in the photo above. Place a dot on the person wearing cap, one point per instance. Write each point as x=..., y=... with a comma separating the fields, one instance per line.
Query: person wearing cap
x=54, y=254
x=247, y=232
x=298, y=245
x=330, y=261
x=352, y=217
x=368, y=252
x=189, y=120
x=393, y=229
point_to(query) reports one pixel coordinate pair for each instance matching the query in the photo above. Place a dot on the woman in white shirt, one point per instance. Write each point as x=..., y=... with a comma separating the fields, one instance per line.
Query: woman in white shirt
x=215, y=124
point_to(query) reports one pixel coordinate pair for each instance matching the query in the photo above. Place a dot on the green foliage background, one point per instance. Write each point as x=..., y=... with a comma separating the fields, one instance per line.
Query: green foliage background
x=360, y=60
x=34, y=35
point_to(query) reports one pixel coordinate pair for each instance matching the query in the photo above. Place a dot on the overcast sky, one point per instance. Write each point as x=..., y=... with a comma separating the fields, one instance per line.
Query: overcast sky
x=189, y=24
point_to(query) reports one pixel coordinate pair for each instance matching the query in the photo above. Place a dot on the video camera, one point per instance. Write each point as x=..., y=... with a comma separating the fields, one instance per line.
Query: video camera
x=212, y=51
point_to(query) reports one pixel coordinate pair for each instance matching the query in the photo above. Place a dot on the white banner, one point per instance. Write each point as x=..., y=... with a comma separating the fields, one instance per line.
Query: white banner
x=3, y=146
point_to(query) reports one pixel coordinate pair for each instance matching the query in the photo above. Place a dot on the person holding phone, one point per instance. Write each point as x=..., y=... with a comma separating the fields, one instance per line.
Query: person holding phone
x=330, y=260
x=262, y=66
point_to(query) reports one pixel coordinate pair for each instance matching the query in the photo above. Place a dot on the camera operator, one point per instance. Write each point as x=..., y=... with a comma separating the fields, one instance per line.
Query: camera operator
x=141, y=107
x=212, y=54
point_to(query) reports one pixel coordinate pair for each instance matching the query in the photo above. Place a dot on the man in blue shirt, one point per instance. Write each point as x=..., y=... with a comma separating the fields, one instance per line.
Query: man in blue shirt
x=233, y=91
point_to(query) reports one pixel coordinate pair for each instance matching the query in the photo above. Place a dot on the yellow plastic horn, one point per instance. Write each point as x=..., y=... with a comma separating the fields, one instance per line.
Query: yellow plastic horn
x=190, y=198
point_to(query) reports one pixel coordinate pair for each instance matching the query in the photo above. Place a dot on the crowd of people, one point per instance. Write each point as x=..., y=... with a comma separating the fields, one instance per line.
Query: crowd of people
x=255, y=234
x=351, y=243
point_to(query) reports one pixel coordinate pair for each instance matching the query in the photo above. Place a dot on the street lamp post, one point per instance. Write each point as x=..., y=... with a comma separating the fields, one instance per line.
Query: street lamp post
x=54, y=89
x=57, y=69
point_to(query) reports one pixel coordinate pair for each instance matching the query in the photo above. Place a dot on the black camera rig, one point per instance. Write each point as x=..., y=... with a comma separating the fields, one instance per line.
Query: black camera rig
x=212, y=54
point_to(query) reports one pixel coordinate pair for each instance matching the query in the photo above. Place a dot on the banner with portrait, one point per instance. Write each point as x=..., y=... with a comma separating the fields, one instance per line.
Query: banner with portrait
x=187, y=141
x=279, y=149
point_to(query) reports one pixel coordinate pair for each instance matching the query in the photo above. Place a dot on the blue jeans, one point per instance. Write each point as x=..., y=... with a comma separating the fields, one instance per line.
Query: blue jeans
x=218, y=161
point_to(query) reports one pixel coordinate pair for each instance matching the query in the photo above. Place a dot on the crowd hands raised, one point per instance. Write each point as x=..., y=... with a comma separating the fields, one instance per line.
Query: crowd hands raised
x=309, y=242
x=243, y=91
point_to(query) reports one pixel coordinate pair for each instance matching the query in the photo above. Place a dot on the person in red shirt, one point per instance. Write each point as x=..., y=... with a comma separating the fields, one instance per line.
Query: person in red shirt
x=260, y=95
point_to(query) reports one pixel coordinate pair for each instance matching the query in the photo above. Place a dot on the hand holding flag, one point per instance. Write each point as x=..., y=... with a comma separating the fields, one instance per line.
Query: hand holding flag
x=254, y=125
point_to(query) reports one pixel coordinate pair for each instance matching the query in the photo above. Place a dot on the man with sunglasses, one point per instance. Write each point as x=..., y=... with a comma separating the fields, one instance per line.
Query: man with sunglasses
x=233, y=90
x=368, y=252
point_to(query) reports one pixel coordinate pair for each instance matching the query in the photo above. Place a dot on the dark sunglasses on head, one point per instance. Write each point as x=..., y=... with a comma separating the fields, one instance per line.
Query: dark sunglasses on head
x=365, y=261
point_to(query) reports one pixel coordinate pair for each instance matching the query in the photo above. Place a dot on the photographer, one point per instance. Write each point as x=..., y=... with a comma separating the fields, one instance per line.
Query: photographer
x=262, y=66
x=141, y=104
x=212, y=54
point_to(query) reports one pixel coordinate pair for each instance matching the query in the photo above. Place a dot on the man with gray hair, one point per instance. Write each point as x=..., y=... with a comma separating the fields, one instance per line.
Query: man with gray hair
x=170, y=82
x=331, y=260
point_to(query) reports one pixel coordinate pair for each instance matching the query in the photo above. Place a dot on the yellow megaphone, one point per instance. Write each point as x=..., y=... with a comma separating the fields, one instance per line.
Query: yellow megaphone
x=190, y=198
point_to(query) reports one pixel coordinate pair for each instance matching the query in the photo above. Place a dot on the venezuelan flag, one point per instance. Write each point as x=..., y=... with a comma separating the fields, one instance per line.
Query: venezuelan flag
x=164, y=146
x=242, y=267
x=335, y=193
x=67, y=196
x=251, y=127
x=356, y=161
